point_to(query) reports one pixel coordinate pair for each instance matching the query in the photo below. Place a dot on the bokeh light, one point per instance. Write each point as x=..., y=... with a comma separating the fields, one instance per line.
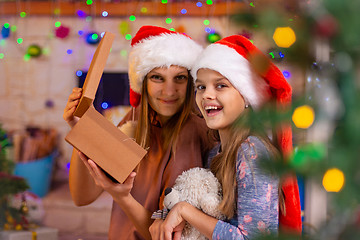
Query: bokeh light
x=333, y=180
x=213, y=37
x=104, y=105
x=286, y=74
x=303, y=116
x=132, y=18
x=284, y=37
x=105, y=14
x=168, y=20
x=128, y=36
x=79, y=73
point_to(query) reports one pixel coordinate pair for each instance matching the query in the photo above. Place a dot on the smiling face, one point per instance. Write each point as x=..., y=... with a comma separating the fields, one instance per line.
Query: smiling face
x=219, y=102
x=166, y=88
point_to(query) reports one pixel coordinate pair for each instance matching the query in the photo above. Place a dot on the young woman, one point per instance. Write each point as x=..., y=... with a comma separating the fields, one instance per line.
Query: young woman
x=228, y=88
x=162, y=91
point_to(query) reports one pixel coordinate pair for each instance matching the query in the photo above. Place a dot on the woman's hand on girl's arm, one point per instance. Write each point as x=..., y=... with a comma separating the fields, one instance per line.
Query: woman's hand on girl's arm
x=71, y=105
x=184, y=212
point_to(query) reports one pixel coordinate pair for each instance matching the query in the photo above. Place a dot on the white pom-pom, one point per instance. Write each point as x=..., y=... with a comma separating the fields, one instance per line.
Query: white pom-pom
x=129, y=128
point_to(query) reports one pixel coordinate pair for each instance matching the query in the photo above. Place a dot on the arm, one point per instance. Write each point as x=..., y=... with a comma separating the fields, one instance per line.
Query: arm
x=82, y=187
x=175, y=221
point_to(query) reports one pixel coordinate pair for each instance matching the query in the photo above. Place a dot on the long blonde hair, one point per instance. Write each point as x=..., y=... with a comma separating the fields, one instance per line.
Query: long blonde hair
x=223, y=165
x=171, y=129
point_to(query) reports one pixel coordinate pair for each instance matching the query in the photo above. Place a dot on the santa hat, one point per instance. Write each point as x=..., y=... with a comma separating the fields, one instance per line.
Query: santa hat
x=258, y=80
x=153, y=47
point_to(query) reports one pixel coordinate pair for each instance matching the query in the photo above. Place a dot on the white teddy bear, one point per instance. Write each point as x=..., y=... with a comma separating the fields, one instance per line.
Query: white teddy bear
x=200, y=188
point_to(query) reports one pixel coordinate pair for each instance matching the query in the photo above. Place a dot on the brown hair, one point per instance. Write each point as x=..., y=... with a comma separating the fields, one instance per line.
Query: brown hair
x=223, y=165
x=172, y=127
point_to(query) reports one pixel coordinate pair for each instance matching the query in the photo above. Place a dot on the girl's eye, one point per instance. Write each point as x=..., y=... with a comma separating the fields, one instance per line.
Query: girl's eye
x=221, y=86
x=200, y=87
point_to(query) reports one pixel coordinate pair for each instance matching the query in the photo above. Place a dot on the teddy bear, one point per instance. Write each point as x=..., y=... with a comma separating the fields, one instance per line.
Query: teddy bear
x=200, y=188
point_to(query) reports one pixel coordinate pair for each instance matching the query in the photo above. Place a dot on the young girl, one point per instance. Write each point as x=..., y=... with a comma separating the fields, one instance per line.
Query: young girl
x=228, y=88
x=162, y=90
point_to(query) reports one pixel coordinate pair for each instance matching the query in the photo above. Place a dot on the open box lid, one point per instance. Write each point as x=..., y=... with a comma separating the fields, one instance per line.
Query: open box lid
x=93, y=134
x=94, y=74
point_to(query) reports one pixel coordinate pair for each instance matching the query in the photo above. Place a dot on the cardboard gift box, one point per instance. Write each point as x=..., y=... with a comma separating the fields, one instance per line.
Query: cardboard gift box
x=41, y=233
x=93, y=134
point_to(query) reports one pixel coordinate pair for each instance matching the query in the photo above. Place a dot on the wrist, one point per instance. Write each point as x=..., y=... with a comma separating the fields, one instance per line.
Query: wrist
x=183, y=208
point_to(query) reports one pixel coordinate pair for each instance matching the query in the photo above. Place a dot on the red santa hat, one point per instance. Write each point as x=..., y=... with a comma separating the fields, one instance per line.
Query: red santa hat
x=153, y=47
x=258, y=80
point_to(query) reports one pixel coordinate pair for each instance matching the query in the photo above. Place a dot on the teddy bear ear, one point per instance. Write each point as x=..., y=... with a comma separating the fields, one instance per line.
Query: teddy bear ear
x=167, y=191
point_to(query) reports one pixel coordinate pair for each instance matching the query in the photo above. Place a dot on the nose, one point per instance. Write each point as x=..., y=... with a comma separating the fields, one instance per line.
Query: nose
x=209, y=93
x=167, y=191
x=169, y=88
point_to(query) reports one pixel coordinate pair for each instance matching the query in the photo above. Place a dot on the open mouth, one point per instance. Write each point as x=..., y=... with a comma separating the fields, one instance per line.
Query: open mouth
x=210, y=110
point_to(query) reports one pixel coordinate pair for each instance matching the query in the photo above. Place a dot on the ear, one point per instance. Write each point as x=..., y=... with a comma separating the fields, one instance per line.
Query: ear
x=171, y=198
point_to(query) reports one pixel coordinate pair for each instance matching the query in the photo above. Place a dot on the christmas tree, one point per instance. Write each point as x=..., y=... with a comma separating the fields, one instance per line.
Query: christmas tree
x=10, y=217
x=330, y=99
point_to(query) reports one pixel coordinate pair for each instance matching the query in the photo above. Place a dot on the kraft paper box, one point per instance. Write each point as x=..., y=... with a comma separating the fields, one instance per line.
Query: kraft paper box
x=94, y=135
x=41, y=233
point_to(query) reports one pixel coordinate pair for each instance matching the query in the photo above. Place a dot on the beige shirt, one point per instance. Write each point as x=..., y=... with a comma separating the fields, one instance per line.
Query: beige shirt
x=158, y=170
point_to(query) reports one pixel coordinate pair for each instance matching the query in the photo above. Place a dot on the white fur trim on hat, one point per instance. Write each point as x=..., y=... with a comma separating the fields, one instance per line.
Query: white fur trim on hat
x=160, y=51
x=237, y=70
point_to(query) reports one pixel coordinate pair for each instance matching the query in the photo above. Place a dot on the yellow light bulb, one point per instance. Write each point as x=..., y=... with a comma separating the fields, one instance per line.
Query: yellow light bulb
x=303, y=116
x=284, y=37
x=333, y=180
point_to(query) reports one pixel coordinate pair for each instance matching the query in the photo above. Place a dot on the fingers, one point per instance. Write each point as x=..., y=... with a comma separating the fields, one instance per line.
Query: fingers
x=71, y=105
x=155, y=229
x=177, y=236
x=130, y=179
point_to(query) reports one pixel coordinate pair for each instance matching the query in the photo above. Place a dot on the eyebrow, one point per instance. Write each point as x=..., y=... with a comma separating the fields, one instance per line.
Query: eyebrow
x=216, y=80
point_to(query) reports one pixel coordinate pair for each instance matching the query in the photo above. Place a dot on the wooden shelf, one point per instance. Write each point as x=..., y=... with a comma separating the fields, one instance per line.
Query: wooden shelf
x=120, y=9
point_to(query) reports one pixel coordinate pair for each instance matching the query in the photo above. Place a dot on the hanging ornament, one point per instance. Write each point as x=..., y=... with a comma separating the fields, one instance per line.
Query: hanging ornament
x=49, y=103
x=5, y=31
x=327, y=26
x=124, y=28
x=213, y=37
x=34, y=50
x=246, y=34
x=62, y=32
x=92, y=38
